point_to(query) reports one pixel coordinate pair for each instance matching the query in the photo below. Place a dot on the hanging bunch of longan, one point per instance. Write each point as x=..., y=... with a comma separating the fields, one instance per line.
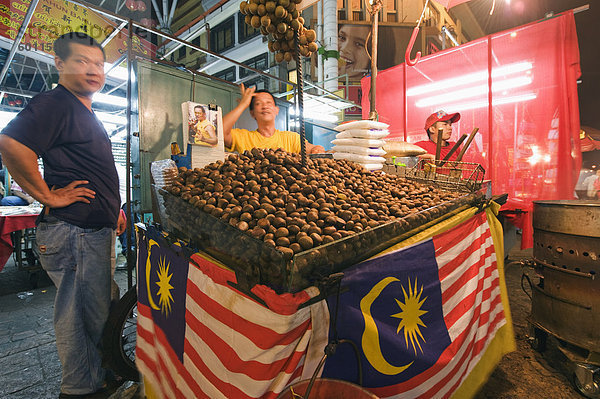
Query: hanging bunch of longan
x=279, y=19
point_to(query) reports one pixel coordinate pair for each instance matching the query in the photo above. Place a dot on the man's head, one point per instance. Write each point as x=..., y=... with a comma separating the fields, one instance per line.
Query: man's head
x=80, y=63
x=440, y=120
x=262, y=106
x=200, y=112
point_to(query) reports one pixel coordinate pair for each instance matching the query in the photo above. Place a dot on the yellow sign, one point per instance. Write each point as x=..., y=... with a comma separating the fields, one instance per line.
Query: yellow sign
x=53, y=18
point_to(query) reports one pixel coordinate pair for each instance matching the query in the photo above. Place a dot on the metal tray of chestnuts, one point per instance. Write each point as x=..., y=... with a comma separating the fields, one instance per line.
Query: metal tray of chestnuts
x=288, y=226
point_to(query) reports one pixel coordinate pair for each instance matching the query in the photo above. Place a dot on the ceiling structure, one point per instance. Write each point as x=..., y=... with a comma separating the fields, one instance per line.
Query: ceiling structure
x=29, y=73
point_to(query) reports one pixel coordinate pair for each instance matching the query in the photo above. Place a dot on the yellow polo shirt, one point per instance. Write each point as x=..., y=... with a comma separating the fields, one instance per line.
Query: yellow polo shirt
x=246, y=140
x=201, y=131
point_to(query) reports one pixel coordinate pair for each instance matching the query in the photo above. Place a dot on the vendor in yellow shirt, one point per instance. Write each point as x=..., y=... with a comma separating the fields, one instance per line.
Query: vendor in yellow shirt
x=264, y=111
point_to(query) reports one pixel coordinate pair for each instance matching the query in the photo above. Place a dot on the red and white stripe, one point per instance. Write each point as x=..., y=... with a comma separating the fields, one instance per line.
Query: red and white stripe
x=472, y=309
x=157, y=361
x=234, y=347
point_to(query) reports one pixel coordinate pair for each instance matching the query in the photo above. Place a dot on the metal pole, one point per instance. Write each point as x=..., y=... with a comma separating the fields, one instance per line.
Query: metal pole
x=374, y=42
x=300, y=80
x=15, y=46
x=129, y=212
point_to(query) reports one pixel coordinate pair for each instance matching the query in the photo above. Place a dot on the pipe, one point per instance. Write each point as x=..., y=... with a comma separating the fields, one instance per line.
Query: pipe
x=320, y=74
x=330, y=36
x=15, y=46
x=173, y=6
x=165, y=12
x=374, y=43
x=129, y=210
x=159, y=15
x=113, y=34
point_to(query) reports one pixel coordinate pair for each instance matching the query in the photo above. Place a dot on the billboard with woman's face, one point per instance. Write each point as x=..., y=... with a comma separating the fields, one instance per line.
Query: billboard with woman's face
x=354, y=48
x=354, y=60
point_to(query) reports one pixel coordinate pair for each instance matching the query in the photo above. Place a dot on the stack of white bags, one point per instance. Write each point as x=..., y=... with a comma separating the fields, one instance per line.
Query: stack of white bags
x=361, y=142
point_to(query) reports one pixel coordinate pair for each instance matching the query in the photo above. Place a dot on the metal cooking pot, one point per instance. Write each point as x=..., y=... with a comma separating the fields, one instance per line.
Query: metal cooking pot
x=566, y=302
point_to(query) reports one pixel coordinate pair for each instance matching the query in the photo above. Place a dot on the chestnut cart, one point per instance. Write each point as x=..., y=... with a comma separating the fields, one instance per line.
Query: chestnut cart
x=200, y=348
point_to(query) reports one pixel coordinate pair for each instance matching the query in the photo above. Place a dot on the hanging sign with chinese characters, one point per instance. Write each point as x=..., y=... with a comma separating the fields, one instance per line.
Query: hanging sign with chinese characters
x=53, y=18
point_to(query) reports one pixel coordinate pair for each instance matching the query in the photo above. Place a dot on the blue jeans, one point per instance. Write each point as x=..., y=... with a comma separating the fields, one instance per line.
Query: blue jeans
x=79, y=263
x=13, y=200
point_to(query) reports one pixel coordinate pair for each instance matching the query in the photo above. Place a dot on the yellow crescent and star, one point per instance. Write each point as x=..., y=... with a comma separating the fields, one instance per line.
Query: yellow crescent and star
x=410, y=321
x=165, y=299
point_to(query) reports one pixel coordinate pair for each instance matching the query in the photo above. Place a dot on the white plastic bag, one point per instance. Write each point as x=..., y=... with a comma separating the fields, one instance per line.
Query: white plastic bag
x=363, y=133
x=354, y=149
x=164, y=172
x=371, y=166
x=362, y=124
x=369, y=143
x=402, y=149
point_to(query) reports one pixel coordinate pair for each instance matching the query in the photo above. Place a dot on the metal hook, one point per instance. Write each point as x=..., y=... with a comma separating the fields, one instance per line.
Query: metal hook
x=411, y=43
x=413, y=38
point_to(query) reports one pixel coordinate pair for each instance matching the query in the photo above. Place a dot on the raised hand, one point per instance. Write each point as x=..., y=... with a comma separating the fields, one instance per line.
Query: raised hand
x=247, y=94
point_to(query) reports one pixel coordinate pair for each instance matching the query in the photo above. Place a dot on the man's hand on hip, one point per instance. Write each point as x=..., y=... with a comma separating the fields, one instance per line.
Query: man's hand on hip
x=61, y=197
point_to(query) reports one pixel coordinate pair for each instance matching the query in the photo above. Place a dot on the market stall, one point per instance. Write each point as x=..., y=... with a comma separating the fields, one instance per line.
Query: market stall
x=14, y=219
x=528, y=140
x=420, y=293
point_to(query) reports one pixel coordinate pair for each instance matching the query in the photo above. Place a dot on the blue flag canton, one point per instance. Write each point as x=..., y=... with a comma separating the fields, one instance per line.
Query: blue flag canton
x=162, y=282
x=391, y=308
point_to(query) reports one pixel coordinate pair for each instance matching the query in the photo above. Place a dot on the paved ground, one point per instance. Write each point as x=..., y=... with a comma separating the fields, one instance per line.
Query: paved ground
x=29, y=365
x=30, y=369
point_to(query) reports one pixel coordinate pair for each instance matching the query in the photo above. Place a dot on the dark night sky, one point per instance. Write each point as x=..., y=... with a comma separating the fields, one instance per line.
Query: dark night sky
x=509, y=14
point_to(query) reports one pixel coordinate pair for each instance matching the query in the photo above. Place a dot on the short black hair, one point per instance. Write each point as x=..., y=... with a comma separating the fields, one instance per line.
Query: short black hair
x=62, y=45
x=260, y=91
x=201, y=107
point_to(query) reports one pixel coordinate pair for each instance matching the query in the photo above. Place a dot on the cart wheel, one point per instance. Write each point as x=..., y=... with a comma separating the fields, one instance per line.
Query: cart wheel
x=586, y=379
x=119, y=337
x=538, y=339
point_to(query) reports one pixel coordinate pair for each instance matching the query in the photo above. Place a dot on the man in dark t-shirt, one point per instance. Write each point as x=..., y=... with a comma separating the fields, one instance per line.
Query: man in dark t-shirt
x=436, y=121
x=80, y=194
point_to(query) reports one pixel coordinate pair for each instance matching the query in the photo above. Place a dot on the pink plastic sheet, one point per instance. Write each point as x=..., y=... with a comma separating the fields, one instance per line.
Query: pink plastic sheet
x=518, y=87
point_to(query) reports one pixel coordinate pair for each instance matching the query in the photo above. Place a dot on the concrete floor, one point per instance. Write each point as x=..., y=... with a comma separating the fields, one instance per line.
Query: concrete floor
x=29, y=365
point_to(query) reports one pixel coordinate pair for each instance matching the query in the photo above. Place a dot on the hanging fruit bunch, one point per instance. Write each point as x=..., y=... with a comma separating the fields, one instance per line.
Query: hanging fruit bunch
x=279, y=19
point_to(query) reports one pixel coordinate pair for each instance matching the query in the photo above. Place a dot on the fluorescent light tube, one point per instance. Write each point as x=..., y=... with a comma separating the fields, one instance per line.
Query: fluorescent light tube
x=469, y=78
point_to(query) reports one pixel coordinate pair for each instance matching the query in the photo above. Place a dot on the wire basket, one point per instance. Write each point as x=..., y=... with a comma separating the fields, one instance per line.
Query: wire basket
x=451, y=175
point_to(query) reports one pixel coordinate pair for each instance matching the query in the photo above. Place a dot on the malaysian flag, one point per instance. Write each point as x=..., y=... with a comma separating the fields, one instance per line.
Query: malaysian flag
x=215, y=341
x=423, y=317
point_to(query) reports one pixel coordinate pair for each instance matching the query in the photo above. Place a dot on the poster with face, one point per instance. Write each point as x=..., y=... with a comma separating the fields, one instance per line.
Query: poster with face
x=203, y=133
x=354, y=48
x=202, y=124
x=354, y=60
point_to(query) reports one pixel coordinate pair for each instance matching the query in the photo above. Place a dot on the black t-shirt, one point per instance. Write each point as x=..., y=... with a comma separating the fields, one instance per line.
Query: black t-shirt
x=74, y=146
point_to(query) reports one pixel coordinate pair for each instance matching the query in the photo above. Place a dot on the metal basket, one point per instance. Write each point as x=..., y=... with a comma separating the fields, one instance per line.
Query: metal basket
x=451, y=175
